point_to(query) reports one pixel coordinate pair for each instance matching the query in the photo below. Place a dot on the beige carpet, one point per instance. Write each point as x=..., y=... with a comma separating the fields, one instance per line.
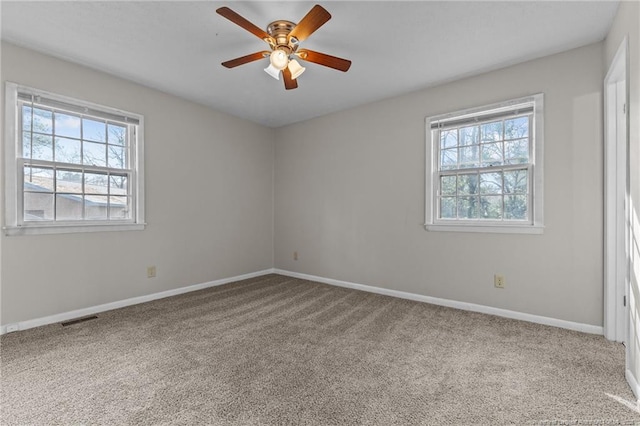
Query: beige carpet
x=278, y=350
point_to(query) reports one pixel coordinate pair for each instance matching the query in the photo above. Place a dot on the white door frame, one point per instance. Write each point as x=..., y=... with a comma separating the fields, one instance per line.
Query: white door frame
x=617, y=218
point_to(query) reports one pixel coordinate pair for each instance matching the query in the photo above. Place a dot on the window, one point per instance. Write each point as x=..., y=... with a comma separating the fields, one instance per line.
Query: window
x=485, y=172
x=71, y=166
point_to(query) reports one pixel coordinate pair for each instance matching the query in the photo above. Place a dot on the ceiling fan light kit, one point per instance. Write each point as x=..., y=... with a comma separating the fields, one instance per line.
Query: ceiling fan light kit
x=279, y=59
x=273, y=71
x=284, y=37
x=295, y=68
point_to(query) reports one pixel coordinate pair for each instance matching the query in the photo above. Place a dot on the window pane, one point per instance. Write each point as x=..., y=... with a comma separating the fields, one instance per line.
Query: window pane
x=42, y=147
x=448, y=139
x=38, y=179
x=515, y=207
x=491, y=183
x=68, y=181
x=467, y=208
x=448, y=185
x=38, y=206
x=68, y=150
x=469, y=156
x=119, y=207
x=26, y=144
x=515, y=182
x=491, y=207
x=68, y=207
x=516, y=128
x=116, y=157
x=516, y=151
x=118, y=185
x=94, y=130
x=491, y=132
x=94, y=154
x=492, y=154
x=42, y=121
x=67, y=125
x=96, y=207
x=468, y=184
x=449, y=159
x=95, y=183
x=469, y=135
x=117, y=135
x=448, y=207
x=26, y=117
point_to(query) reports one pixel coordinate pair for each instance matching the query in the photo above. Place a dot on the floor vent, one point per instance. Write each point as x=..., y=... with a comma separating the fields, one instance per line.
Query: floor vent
x=77, y=320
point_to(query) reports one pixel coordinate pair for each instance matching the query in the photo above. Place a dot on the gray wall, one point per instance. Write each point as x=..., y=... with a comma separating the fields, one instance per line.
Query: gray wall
x=627, y=23
x=209, y=198
x=349, y=197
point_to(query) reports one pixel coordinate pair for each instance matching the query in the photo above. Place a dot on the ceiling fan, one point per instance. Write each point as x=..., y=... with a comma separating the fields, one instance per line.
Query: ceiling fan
x=284, y=37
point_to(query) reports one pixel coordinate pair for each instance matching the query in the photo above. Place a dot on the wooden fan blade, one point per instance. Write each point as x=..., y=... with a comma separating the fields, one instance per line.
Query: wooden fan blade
x=245, y=59
x=313, y=20
x=289, y=83
x=239, y=20
x=324, y=59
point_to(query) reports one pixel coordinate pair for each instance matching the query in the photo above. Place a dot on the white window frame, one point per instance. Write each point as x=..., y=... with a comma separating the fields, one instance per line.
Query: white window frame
x=14, y=223
x=534, y=224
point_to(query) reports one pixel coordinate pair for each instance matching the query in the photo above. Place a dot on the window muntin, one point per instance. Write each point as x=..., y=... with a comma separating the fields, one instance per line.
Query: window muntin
x=74, y=164
x=484, y=170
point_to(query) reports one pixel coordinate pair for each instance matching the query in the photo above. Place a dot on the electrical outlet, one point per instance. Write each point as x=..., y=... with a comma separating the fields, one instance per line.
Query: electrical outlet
x=295, y=255
x=151, y=271
x=498, y=281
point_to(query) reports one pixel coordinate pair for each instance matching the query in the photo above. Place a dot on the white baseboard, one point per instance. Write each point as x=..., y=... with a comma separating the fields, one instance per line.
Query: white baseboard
x=52, y=319
x=576, y=326
x=633, y=383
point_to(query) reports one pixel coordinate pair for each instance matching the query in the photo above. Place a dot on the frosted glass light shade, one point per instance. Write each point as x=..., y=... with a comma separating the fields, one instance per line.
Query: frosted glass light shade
x=279, y=59
x=273, y=71
x=296, y=69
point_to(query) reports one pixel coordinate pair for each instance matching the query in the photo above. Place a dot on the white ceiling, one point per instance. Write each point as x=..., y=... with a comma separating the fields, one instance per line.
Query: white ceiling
x=396, y=47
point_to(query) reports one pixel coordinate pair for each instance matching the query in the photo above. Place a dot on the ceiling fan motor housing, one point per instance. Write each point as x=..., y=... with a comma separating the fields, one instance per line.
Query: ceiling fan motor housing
x=280, y=30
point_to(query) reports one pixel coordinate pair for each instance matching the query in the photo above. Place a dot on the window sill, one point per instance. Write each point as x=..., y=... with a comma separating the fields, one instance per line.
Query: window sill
x=496, y=229
x=71, y=228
